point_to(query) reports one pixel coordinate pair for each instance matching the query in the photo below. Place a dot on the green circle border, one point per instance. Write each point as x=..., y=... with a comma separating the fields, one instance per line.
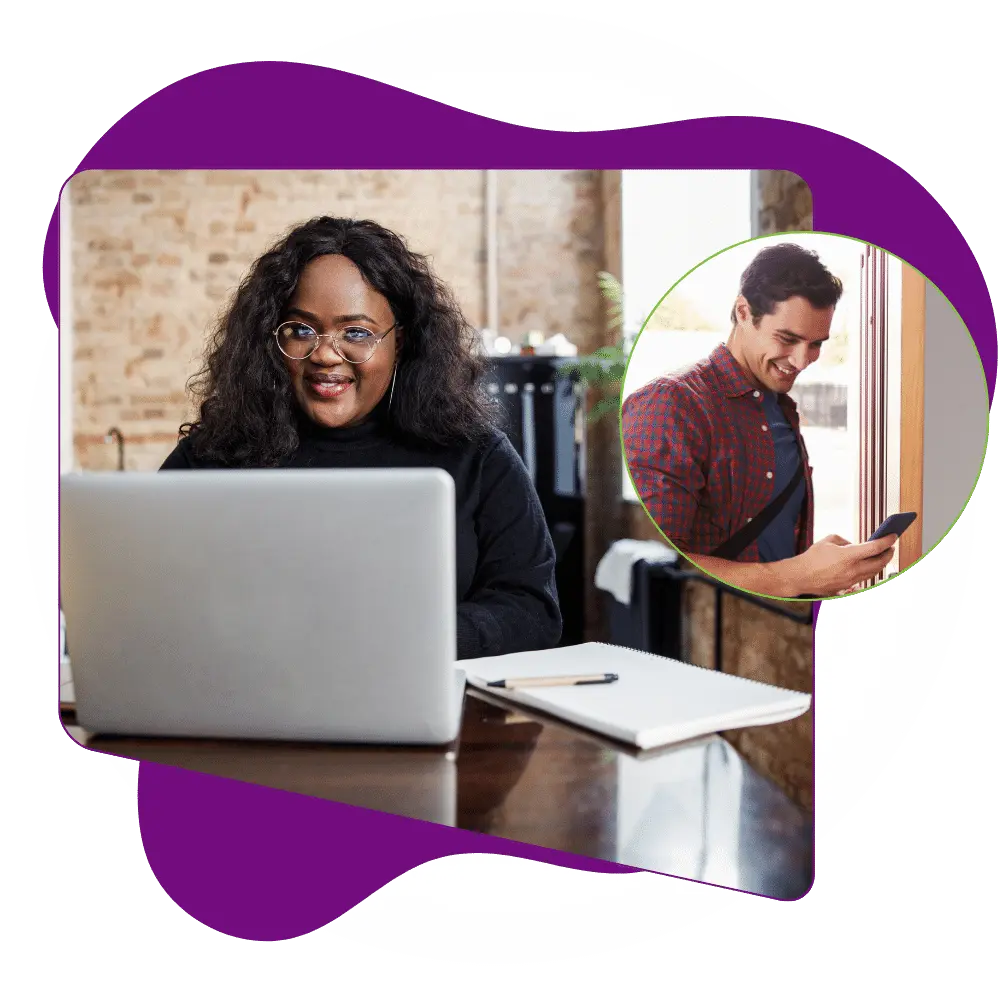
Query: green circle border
x=790, y=237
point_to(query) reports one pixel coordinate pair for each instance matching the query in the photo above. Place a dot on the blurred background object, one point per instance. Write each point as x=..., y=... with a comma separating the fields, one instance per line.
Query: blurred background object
x=115, y=435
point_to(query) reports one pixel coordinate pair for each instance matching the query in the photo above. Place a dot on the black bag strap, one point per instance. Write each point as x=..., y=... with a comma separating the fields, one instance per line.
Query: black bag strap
x=751, y=531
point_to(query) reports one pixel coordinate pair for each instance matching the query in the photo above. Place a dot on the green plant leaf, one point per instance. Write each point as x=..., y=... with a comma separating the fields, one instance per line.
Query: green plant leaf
x=608, y=353
x=601, y=408
x=592, y=371
x=610, y=287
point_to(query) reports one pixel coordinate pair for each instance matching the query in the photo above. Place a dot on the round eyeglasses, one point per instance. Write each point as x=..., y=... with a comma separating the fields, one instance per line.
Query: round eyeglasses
x=355, y=344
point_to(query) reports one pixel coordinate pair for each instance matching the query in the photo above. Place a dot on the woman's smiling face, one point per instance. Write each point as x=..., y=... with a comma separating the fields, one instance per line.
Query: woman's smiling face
x=333, y=297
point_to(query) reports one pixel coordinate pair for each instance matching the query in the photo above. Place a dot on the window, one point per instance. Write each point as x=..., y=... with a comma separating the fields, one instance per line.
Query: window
x=671, y=221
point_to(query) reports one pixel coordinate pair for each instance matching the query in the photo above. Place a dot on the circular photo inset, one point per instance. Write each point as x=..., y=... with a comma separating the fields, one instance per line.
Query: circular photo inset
x=804, y=415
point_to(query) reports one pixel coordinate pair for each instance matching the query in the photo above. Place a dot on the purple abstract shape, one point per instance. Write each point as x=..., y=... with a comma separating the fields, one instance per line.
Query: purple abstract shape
x=211, y=120
x=266, y=865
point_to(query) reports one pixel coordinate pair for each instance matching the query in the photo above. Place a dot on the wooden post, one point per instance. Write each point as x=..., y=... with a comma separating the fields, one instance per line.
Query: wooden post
x=911, y=448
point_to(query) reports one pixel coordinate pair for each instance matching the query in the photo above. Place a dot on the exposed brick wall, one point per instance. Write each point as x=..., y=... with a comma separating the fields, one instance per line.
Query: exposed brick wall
x=550, y=235
x=157, y=254
x=784, y=202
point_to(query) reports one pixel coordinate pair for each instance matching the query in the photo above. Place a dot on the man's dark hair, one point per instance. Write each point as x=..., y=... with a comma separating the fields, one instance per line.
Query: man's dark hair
x=783, y=271
x=247, y=414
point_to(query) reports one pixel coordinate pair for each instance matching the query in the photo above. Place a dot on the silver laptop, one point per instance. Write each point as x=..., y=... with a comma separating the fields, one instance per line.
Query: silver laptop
x=291, y=604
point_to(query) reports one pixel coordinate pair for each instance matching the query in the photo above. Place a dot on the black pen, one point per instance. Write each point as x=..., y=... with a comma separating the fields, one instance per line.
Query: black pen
x=519, y=682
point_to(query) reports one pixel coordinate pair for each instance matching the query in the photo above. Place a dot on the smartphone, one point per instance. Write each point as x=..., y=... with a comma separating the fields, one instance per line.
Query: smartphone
x=894, y=525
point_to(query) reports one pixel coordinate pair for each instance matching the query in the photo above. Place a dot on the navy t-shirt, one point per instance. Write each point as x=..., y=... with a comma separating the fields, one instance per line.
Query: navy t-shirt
x=777, y=541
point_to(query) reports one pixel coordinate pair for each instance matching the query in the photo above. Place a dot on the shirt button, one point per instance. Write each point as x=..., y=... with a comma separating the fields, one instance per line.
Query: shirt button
x=749, y=519
x=770, y=475
x=756, y=394
x=763, y=427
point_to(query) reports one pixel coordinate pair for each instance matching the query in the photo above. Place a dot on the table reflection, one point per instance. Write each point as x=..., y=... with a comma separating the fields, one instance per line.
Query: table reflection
x=417, y=783
x=696, y=810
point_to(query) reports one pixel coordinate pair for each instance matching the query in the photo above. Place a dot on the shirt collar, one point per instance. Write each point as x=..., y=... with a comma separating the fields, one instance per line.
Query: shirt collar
x=732, y=379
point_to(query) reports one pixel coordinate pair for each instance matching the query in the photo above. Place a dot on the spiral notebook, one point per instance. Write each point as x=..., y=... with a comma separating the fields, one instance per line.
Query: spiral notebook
x=655, y=700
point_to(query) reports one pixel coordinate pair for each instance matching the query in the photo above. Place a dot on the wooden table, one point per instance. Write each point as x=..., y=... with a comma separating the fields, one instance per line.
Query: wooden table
x=696, y=810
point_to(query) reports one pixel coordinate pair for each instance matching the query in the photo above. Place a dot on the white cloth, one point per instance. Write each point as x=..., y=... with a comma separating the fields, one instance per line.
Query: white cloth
x=614, y=571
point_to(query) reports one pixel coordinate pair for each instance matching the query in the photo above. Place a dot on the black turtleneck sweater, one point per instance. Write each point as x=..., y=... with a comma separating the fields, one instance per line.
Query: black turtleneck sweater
x=505, y=560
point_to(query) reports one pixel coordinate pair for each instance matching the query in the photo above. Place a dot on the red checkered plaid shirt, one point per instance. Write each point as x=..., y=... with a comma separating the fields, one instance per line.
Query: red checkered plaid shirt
x=701, y=455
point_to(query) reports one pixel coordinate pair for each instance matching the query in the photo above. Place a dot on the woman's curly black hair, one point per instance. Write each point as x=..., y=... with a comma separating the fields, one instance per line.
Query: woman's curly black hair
x=248, y=416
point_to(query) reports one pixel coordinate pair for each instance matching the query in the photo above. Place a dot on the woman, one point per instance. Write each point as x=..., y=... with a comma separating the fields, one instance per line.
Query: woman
x=341, y=349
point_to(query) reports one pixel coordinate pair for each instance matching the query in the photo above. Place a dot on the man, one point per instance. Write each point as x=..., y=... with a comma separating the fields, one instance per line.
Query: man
x=716, y=454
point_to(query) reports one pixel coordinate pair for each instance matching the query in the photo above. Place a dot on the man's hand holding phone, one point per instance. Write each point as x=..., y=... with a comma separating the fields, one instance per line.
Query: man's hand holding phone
x=833, y=565
x=830, y=567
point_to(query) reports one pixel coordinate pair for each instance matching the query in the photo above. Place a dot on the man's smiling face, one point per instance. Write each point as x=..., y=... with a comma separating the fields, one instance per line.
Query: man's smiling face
x=780, y=345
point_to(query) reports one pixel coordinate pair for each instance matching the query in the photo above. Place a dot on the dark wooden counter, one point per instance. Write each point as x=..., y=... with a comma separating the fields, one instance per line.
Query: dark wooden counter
x=696, y=810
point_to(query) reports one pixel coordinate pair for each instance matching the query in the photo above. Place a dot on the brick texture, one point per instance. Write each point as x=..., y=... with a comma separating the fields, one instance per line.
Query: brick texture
x=784, y=203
